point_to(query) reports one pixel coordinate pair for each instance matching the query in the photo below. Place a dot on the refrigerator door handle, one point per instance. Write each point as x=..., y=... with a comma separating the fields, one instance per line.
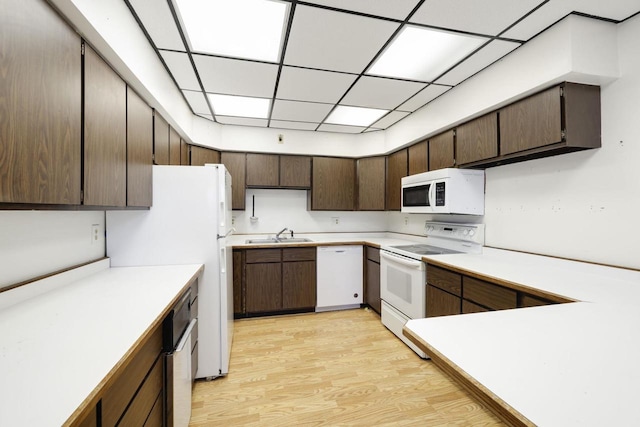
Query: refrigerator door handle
x=231, y=230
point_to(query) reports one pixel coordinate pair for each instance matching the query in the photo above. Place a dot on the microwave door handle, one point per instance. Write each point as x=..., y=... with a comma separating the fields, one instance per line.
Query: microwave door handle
x=432, y=191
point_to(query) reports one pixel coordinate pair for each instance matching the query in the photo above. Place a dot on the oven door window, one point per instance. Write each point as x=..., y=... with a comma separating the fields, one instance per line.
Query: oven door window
x=416, y=196
x=399, y=284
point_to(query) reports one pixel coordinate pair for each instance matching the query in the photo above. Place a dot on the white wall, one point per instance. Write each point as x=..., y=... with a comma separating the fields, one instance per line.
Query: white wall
x=34, y=243
x=581, y=205
x=276, y=209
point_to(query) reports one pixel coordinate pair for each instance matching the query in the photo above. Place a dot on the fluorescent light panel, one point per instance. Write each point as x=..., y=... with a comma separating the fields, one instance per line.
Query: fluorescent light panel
x=354, y=116
x=240, y=106
x=423, y=54
x=250, y=29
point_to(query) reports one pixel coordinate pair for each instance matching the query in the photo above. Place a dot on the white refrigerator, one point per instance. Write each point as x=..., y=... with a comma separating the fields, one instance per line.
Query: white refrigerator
x=187, y=224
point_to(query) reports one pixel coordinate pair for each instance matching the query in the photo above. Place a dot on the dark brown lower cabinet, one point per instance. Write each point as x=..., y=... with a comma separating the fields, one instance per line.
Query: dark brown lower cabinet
x=441, y=303
x=274, y=280
x=263, y=287
x=372, y=276
x=469, y=307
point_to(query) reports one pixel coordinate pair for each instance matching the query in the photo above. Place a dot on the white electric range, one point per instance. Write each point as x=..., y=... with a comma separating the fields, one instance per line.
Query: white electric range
x=403, y=274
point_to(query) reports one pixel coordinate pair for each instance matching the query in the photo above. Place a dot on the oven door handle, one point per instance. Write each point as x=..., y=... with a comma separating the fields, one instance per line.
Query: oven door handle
x=409, y=263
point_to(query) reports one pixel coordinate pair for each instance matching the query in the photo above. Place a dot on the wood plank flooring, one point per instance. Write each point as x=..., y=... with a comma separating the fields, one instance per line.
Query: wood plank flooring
x=341, y=368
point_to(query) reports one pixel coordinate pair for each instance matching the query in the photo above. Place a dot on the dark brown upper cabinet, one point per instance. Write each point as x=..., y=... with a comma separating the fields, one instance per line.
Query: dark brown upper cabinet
x=160, y=140
x=202, y=155
x=236, y=165
x=477, y=139
x=105, y=133
x=397, y=168
x=418, y=158
x=295, y=171
x=371, y=184
x=40, y=106
x=263, y=170
x=139, y=151
x=334, y=183
x=561, y=119
x=174, y=147
x=184, y=153
x=441, y=154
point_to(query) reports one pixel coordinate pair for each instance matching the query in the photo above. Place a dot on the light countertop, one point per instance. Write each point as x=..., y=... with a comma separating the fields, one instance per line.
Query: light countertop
x=56, y=348
x=573, y=364
x=319, y=239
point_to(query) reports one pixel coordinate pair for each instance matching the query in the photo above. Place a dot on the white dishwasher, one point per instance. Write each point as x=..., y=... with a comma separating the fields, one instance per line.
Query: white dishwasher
x=339, y=277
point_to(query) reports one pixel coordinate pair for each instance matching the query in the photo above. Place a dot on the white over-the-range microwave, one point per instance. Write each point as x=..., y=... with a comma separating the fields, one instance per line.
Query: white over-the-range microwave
x=444, y=191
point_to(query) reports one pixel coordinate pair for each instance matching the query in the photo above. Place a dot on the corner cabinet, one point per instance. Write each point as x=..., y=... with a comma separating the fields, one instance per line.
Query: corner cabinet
x=397, y=168
x=334, y=184
x=40, y=106
x=105, y=133
x=160, y=140
x=371, y=184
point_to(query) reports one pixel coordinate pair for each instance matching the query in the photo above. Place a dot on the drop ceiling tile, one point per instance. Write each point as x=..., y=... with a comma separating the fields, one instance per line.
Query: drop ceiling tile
x=332, y=40
x=488, y=17
x=197, y=102
x=341, y=128
x=389, y=119
x=282, y=124
x=396, y=9
x=181, y=68
x=158, y=21
x=236, y=77
x=539, y=20
x=300, y=111
x=241, y=121
x=484, y=57
x=377, y=92
x=302, y=84
x=616, y=10
x=428, y=94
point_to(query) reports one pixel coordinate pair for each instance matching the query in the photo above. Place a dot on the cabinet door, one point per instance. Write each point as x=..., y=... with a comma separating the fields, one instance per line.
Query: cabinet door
x=139, y=150
x=396, y=169
x=371, y=184
x=418, y=157
x=477, y=140
x=174, y=147
x=105, y=133
x=201, y=155
x=263, y=170
x=532, y=122
x=333, y=184
x=441, y=151
x=40, y=105
x=298, y=284
x=184, y=153
x=160, y=140
x=238, y=291
x=263, y=290
x=295, y=171
x=441, y=303
x=373, y=286
x=488, y=295
x=235, y=163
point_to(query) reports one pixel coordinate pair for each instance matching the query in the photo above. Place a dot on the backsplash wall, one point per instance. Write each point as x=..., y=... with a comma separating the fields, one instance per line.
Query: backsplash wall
x=276, y=209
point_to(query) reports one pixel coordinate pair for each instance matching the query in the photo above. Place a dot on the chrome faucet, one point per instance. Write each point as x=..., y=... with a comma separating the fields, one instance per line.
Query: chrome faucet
x=279, y=233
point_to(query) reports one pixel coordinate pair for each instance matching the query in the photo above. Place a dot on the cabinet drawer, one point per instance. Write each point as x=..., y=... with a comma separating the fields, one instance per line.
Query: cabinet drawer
x=142, y=404
x=156, y=415
x=373, y=254
x=263, y=255
x=444, y=279
x=299, y=254
x=194, y=360
x=118, y=396
x=489, y=295
x=441, y=303
x=469, y=307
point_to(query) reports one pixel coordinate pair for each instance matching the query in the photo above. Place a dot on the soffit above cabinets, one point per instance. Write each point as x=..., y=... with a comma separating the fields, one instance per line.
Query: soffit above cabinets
x=329, y=51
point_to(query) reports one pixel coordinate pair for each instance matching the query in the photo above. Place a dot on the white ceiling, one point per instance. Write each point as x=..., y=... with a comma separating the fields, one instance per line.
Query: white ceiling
x=329, y=46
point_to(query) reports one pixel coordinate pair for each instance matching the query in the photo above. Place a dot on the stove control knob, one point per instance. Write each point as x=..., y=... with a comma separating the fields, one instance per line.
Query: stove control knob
x=465, y=232
x=471, y=232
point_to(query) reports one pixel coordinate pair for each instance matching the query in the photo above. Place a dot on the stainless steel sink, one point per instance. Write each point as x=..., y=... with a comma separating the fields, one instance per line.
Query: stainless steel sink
x=281, y=240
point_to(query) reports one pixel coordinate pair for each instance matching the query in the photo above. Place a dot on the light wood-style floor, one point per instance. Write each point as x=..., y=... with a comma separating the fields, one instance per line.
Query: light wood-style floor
x=341, y=368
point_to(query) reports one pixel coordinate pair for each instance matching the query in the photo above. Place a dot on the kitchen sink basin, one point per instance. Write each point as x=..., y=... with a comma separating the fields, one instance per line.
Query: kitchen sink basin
x=281, y=240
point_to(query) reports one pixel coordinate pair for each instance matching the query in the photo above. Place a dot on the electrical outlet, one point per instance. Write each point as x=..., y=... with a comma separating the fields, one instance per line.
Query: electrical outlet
x=95, y=233
x=406, y=220
x=233, y=220
x=335, y=220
